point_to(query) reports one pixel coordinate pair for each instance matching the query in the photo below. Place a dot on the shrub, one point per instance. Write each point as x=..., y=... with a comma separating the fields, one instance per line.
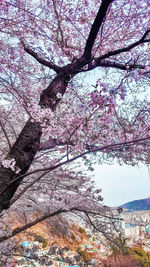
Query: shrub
x=121, y=261
x=141, y=256
x=85, y=255
x=40, y=239
x=81, y=230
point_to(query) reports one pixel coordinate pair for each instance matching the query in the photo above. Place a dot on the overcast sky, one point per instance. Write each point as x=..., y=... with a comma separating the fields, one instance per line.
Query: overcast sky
x=121, y=184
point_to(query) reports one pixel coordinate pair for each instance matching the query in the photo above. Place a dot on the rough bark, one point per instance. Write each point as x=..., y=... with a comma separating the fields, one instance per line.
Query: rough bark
x=27, y=144
x=23, y=151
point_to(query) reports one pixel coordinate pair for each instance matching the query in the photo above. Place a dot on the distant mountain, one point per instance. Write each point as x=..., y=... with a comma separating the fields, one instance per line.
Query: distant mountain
x=141, y=204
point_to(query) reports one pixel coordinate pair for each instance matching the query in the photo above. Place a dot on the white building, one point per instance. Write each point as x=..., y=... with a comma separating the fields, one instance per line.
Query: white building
x=132, y=231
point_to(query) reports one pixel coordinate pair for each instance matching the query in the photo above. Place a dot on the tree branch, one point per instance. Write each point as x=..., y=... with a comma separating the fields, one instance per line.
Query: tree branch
x=91, y=149
x=41, y=60
x=113, y=64
x=28, y=225
x=95, y=27
x=5, y=133
x=52, y=142
x=26, y=188
x=128, y=48
x=107, y=235
x=110, y=64
x=40, y=219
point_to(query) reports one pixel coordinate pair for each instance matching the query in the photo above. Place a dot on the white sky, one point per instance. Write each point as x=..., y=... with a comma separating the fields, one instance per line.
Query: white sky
x=121, y=184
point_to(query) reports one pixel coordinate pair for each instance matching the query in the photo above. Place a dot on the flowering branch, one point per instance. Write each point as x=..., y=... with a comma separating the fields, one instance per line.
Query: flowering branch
x=28, y=225
x=92, y=149
x=128, y=48
x=41, y=60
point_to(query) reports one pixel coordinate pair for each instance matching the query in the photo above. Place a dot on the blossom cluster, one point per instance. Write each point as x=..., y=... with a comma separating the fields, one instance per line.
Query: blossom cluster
x=10, y=163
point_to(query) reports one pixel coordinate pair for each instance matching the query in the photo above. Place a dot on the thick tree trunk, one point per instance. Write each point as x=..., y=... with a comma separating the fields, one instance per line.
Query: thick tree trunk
x=27, y=144
x=23, y=151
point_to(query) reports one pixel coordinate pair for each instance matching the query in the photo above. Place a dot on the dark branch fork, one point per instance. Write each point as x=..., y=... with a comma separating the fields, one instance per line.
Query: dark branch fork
x=102, y=62
x=92, y=63
x=75, y=67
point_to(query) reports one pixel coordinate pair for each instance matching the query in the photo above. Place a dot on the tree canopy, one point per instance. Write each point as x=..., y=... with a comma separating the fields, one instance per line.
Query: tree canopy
x=54, y=110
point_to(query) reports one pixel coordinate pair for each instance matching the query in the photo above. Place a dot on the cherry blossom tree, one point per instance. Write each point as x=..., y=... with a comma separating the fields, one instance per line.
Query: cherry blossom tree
x=74, y=82
x=52, y=115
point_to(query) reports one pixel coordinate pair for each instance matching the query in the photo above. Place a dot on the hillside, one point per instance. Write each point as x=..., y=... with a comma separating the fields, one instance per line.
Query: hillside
x=57, y=241
x=140, y=204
